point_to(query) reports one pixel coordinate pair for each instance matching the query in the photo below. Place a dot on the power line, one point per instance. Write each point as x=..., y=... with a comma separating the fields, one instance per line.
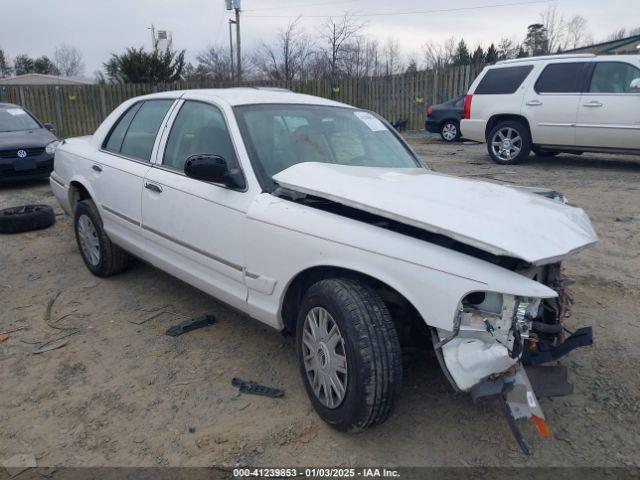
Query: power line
x=283, y=7
x=417, y=12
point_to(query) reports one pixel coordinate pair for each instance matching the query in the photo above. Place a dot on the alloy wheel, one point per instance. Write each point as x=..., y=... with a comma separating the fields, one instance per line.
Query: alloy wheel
x=449, y=132
x=506, y=144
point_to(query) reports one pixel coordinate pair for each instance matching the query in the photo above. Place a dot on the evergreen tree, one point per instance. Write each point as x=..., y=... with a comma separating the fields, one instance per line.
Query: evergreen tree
x=462, y=56
x=491, y=56
x=138, y=66
x=478, y=56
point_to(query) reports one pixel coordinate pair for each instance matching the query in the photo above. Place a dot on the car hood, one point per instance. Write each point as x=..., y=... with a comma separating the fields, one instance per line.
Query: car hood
x=498, y=219
x=26, y=139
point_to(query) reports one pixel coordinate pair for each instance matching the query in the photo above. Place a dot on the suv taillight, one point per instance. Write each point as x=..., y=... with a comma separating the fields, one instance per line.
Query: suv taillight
x=467, y=107
x=429, y=111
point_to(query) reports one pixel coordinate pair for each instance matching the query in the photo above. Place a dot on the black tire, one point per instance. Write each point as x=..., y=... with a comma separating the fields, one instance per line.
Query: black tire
x=452, y=124
x=372, y=349
x=26, y=218
x=541, y=152
x=111, y=258
x=525, y=147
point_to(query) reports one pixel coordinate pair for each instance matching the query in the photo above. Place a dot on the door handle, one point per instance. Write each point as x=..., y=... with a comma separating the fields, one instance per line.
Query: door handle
x=534, y=103
x=153, y=187
x=593, y=103
x=97, y=168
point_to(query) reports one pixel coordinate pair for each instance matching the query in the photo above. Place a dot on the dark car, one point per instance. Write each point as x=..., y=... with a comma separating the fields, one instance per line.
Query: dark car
x=26, y=145
x=445, y=119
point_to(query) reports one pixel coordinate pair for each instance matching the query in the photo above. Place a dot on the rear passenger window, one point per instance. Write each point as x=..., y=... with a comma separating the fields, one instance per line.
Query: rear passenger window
x=503, y=81
x=114, y=142
x=562, y=78
x=141, y=135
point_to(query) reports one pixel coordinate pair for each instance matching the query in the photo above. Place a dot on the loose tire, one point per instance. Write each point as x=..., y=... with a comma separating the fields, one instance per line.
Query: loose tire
x=509, y=142
x=450, y=131
x=101, y=256
x=26, y=218
x=541, y=152
x=352, y=366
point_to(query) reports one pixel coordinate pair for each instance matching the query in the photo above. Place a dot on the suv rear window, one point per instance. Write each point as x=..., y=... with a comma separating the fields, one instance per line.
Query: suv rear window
x=562, y=78
x=503, y=81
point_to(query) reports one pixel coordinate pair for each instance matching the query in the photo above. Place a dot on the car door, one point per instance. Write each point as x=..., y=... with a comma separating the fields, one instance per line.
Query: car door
x=609, y=111
x=551, y=102
x=120, y=167
x=195, y=228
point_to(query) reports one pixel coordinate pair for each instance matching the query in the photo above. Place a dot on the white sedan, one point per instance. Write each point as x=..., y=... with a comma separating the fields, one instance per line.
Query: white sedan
x=317, y=219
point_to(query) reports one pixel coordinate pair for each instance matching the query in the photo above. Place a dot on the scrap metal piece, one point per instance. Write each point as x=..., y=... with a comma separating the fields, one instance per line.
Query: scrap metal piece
x=517, y=434
x=189, y=325
x=256, y=389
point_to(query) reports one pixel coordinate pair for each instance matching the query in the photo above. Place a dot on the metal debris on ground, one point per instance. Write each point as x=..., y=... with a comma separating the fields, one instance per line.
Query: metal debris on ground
x=3, y=337
x=189, y=325
x=11, y=330
x=33, y=276
x=54, y=344
x=256, y=389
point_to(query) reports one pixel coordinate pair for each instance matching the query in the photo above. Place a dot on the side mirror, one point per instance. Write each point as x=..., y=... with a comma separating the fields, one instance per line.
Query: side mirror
x=635, y=84
x=48, y=126
x=213, y=168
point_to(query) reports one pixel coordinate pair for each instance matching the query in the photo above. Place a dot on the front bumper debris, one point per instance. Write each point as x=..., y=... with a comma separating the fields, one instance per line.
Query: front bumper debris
x=521, y=387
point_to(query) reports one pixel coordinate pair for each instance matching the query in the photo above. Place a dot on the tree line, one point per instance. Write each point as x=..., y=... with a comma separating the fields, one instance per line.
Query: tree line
x=340, y=48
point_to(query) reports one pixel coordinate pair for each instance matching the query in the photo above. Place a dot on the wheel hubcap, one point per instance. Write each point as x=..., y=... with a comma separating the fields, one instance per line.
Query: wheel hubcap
x=449, y=131
x=506, y=144
x=325, y=357
x=89, y=242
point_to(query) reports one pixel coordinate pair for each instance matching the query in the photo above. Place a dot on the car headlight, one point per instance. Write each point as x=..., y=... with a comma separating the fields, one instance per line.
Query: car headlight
x=51, y=147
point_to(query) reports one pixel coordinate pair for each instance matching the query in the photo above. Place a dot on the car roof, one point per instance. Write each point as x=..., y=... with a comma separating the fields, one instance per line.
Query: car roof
x=9, y=105
x=570, y=56
x=248, y=96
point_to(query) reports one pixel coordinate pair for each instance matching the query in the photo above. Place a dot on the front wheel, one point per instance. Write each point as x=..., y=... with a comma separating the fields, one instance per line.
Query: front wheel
x=349, y=354
x=509, y=142
x=450, y=131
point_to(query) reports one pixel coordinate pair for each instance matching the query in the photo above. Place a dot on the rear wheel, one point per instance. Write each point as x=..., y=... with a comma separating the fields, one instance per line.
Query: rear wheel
x=509, y=142
x=349, y=354
x=450, y=131
x=101, y=256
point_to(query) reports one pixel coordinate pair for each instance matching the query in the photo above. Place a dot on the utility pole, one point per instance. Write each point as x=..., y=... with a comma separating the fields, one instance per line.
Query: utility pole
x=239, y=62
x=235, y=5
x=231, y=72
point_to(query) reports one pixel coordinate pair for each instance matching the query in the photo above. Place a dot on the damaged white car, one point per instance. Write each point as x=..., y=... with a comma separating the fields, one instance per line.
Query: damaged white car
x=318, y=219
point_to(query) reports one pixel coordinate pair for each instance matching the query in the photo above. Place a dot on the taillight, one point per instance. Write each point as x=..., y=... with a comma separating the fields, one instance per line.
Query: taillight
x=429, y=111
x=467, y=107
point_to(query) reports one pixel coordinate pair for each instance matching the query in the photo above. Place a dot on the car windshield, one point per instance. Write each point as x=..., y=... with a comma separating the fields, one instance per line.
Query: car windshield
x=279, y=136
x=15, y=119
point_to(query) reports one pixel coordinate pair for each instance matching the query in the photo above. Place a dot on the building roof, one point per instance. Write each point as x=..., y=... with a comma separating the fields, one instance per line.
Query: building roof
x=42, y=79
x=608, y=46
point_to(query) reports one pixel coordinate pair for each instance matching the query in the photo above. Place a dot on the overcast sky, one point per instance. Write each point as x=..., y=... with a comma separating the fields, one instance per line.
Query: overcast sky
x=99, y=27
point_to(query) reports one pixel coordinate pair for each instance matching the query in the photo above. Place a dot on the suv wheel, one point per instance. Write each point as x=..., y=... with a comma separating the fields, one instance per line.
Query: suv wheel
x=450, y=131
x=102, y=257
x=349, y=354
x=509, y=142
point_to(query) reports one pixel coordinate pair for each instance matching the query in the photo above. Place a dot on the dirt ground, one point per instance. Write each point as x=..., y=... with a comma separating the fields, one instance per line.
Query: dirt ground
x=125, y=394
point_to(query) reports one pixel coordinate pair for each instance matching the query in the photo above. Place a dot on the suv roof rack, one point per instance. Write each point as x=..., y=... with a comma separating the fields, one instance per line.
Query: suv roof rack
x=547, y=57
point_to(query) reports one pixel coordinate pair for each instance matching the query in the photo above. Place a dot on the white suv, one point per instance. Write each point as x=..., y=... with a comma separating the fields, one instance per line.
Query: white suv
x=553, y=104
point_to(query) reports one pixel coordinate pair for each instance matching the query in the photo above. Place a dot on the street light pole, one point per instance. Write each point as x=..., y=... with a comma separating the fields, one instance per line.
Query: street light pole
x=232, y=71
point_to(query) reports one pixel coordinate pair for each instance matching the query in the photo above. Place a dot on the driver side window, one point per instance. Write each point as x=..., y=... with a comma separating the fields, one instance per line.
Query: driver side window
x=198, y=128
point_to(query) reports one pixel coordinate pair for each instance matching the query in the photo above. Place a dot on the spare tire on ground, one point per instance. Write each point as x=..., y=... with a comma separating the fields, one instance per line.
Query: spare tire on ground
x=26, y=218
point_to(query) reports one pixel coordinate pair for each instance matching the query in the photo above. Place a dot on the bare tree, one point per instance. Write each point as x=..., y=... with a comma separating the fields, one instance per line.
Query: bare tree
x=68, y=61
x=288, y=59
x=391, y=57
x=623, y=33
x=577, y=33
x=214, y=63
x=335, y=35
x=555, y=26
x=439, y=55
